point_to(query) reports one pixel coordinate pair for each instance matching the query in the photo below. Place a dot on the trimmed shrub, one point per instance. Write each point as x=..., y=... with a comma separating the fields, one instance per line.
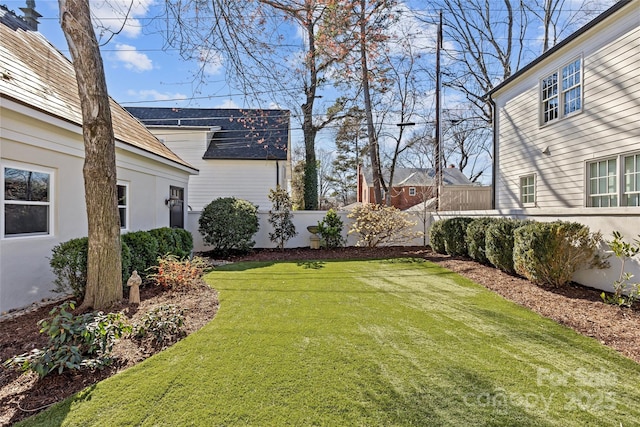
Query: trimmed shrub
x=229, y=224
x=455, y=233
x=379, y=225
x=436, y=237
x=499, y=243
x=69, y=264
x=144, y=251
x=476, y=235
x=184, y=242
x=330, y=230
x=168, y=240
x=548, y=253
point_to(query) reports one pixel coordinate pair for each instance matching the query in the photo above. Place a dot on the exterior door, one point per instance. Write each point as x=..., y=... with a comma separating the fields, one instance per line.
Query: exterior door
x=176, y=207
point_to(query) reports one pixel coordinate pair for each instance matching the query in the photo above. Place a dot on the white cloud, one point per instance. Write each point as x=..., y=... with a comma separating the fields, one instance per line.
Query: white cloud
x=152, y=94
x=229, y=103
x=119, y=16
x=212, y=61
x=132, y=59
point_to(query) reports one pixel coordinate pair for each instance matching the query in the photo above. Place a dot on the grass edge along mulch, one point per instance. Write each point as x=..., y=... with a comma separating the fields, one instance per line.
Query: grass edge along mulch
x=384, y=342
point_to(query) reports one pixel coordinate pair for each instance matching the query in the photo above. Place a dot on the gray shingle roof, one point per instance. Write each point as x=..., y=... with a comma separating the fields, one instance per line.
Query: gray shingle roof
x=34, y=73
x=251, y=134
x=420, y=177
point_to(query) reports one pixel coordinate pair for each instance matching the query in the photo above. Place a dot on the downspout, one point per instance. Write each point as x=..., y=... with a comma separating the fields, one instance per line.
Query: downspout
x=277, y=174
x=494, y=119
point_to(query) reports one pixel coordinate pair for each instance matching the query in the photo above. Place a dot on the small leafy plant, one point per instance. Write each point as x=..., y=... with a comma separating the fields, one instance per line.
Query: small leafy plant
x=625, y=293
x=280, y=217
x=164, y=325
x=75, y=341
x=330, y=230
x=174, y=273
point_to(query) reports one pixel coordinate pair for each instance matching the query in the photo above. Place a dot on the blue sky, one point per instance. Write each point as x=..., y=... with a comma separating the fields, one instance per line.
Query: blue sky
x=138, y=71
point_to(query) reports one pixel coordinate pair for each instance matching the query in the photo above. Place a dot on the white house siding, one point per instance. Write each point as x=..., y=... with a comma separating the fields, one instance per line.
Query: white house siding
x=608, y=124
x=34, y=139
x=245, y=179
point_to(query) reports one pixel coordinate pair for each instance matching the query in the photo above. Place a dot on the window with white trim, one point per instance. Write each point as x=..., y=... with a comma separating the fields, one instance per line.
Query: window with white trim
x=528, y=189
x=412, y=191
x=603, y=183
x=565, y=91
x=27, y=201
x=631, y=185
x=123, y=203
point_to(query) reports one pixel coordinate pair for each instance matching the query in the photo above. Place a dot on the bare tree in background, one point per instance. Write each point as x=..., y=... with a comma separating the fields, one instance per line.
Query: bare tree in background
x=104, y=264
x=252, y=39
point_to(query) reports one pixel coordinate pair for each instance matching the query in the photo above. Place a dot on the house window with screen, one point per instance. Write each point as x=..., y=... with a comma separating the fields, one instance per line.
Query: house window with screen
x=561, y=92
x=603, y=186
x=27, y=201
x=631, y=184
x=412, y=191
x=528, y=189
x=123, y=201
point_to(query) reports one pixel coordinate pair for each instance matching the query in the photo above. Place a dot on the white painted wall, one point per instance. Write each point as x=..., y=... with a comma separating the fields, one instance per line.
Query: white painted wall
x=301, y=220
x=244, y=179
x=32, y=138
x=608, y=124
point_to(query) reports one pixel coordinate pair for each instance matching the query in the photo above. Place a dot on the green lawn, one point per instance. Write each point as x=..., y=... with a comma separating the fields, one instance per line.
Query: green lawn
x=365, y=343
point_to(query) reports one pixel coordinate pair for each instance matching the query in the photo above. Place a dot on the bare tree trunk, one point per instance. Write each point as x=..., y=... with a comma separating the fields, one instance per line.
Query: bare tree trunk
x=373, y=140
x=104, y=277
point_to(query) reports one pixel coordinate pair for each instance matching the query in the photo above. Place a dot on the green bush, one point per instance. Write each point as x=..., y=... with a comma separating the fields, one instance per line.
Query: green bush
x=162, y=325
x=75, y=342
x=184, y=242
x=379, y=225
x=499, y=243
x=455, y=233
x=144, y=251
x=69, y=264
x=229, y=224
x=549, y=253
x=436, y=237
x=167, y=239
x=330, y=230
x=476, y=235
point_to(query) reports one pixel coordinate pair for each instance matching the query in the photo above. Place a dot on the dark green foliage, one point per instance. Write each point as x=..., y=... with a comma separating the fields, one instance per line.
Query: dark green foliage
x=280, y=217
x=548, y=253
x=455, y=234
x=162, y=325
x=436, y=237
x=144, y=251
x=499, y=243
x=330, y=230
x=229, y=224
x=75, y=342
x=476, y=233
x=69, y=264
x=168, y=240
x=184, y=243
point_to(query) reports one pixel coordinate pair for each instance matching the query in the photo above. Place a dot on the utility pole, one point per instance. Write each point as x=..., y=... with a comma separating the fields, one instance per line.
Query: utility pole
x=438, y=136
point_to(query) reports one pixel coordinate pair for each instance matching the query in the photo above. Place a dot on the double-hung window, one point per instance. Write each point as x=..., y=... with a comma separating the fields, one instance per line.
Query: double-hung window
x=27, y=200
x=631, y=184
x=528, y=190
x=123, y=203
x=412, y=191
x=561, y=92
x=603, y=183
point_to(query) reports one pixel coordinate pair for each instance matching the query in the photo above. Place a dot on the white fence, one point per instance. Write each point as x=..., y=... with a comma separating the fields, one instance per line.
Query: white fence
x=465, y=198
x=301, y=220
x=624, y=220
